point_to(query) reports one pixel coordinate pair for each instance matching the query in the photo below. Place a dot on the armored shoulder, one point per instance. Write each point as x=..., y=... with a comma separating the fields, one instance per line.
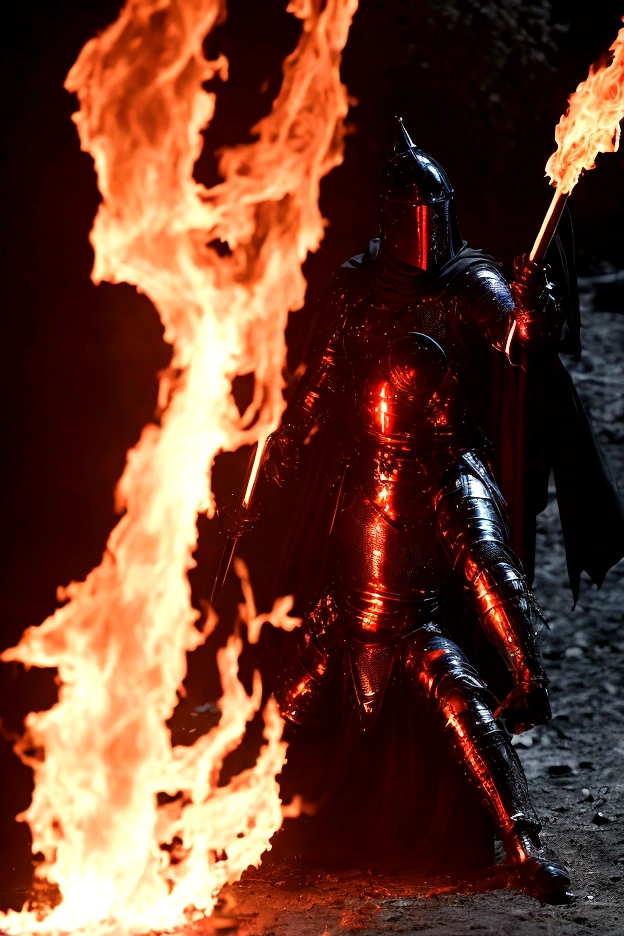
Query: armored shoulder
x=341, y=294
x=485, y=303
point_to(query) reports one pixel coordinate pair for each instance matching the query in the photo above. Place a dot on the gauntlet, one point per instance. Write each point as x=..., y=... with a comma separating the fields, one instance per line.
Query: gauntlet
x=537, y=313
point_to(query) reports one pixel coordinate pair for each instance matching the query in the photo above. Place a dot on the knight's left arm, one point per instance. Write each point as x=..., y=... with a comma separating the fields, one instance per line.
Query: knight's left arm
x=525, y=314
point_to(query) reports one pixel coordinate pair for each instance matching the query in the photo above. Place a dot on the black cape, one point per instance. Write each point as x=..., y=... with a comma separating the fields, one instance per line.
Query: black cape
x=539, y=425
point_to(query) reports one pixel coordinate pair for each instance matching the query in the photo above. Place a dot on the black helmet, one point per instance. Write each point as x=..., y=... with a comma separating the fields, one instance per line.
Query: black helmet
x=418, y=220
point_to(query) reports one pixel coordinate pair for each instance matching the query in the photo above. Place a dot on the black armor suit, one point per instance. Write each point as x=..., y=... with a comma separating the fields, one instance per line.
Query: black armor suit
x=400, y=361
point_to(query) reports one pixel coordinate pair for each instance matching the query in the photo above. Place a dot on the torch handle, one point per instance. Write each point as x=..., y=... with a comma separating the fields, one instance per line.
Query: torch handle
x=548, y=228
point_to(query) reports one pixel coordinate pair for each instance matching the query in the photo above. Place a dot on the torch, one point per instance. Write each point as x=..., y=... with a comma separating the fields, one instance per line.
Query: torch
x=591, y=125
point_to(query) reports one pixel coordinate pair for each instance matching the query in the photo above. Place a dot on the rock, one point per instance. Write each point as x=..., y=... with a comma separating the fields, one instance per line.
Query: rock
x=600, y=819
x=559, y=770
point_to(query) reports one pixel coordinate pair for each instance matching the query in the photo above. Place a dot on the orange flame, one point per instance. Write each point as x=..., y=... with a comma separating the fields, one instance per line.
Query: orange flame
x=591, y=125
x=278, y=616
x=121, y=639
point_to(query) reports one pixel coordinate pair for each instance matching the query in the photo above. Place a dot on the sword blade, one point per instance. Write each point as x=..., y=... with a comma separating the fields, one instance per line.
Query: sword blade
x=224, y=567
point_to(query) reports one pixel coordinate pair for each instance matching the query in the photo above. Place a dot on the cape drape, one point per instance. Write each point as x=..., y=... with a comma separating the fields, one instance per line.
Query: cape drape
x=538, y=425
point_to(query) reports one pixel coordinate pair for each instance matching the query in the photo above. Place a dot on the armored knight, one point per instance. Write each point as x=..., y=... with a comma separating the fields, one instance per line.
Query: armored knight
x=400, y=360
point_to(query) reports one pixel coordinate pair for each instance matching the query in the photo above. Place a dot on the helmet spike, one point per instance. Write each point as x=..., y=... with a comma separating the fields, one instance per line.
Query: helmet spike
x=403, y=142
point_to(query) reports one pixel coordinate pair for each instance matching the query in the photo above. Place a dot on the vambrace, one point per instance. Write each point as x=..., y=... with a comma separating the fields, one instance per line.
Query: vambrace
x=437, y=667
x=507, y=608
x=314, y=399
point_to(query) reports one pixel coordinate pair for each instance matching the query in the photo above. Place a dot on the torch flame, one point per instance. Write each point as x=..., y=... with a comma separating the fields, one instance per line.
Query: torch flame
x=121, y=639
x=591, y=125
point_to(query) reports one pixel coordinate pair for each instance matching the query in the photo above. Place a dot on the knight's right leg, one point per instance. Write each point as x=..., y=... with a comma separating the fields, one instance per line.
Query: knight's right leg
x=439, y=669
x=302, y=687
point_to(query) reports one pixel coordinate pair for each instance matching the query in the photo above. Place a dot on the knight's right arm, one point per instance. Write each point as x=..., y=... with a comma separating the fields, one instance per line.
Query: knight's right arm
x=317, y=394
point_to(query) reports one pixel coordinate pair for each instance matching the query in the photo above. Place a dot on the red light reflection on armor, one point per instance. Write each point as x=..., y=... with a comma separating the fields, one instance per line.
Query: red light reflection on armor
x=370, y=619
x=441, y=410
x=495, y=615
x=422, y=215
x=383, y=496
x=377, y=550
x=453, y=711
x=382, y=409
x=383, y=499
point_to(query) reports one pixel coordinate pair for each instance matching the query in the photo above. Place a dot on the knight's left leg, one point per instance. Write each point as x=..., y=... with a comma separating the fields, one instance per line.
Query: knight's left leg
x=473, y=528
x=436, y=667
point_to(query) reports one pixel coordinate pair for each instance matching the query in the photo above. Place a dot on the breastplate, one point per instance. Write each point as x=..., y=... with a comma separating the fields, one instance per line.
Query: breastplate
x=405, y=389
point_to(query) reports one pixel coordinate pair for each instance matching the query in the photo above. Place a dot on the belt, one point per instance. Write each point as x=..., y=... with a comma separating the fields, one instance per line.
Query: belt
x=374, y=615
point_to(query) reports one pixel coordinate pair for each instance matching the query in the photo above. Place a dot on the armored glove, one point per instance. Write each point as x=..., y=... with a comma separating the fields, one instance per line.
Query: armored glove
x=537, y=312
x=526, y=705
x=236, y=519
x=281, y=457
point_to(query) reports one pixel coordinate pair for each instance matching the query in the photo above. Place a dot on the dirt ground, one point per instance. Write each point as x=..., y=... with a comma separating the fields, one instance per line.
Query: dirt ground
x=574, y=764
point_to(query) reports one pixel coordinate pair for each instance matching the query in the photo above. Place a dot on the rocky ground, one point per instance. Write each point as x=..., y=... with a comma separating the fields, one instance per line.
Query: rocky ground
x=574, y=763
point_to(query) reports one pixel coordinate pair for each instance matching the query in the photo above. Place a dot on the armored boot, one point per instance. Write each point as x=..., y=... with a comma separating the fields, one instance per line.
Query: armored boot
x=541, y=877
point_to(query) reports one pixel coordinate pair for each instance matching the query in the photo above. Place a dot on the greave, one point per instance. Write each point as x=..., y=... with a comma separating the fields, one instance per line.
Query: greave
x=438, y=667
x=486, y=751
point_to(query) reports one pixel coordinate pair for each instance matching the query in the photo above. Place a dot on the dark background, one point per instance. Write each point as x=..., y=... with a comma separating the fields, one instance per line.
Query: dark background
x=481, y=86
